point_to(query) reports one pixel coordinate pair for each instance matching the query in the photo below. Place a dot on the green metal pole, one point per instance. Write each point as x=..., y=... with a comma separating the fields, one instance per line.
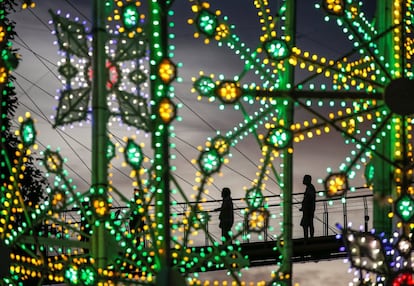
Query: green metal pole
x=383, y=179
x=288, y=115
x=100, y=117
x=160, y=142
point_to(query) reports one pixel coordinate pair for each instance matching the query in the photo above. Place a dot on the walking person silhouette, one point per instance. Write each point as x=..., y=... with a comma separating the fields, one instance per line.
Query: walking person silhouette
x=308, y=208
x=226, y=216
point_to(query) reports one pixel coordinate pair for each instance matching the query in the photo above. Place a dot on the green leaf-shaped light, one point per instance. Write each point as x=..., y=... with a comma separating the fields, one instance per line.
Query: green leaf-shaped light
x=71, y=36
x=207, y=23
x=87, y=275
x=254, y=198
x=110, y=151
x=137, y=77
x=133, y=110
x=133, y=154
x=73, y=106
x=130, y=16
x=276, y=49
x=205, y=86
x=53, y=161
x=209, y=161
x=130, y=48
x=28, y=132
x=68, y=71
x=279, y=137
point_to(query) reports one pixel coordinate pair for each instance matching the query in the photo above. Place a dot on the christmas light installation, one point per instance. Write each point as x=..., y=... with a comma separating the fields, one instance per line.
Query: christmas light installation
x=357, y=82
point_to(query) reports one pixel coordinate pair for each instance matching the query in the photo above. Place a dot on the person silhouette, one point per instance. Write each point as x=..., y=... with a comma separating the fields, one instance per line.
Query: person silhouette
x=226, y=215
x=308, y=208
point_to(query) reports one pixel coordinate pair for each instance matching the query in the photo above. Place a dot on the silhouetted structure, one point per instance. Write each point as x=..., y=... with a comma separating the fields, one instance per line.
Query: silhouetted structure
x=308, y=207
x=226, y=216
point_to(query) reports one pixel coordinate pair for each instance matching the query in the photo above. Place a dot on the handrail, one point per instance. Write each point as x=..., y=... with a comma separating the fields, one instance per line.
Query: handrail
x=327, y=205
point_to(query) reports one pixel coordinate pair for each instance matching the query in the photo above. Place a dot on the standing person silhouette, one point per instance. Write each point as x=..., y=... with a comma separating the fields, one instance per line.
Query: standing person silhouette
x=308, y=208
x=226, y=216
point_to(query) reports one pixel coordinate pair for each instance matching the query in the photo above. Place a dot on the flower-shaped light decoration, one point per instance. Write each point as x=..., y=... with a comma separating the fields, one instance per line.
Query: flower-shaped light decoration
x=385, y=260
x=254, y=198
x=366, y=251
x=404, y=208
x=279, y=137
x=166, y=110
x=257, y=220
x=124, y=76
x=336, y=184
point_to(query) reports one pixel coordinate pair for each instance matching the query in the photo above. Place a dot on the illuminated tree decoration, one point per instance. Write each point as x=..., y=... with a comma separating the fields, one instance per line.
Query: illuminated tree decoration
x=336, y=184
x=210, y=161
x=365, y=251
x=404, y=207
x=228, y=91
x=206, y=23
x=279, y=137
x=334, y=7
x=205, y=86
x=167, y=110
x=133, y=154
x=28, y=132
x=276, y=49
x=254, y=198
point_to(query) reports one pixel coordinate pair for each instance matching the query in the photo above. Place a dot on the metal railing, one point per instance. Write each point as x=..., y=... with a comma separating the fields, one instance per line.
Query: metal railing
x=352, y=207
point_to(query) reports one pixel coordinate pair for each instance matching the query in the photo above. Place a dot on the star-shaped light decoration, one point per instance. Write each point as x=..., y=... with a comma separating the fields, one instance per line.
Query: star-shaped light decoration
x=125, y=75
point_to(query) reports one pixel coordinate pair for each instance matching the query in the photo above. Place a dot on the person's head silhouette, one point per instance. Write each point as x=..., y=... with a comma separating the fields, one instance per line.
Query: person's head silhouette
x=307, y=179
x=225, y=193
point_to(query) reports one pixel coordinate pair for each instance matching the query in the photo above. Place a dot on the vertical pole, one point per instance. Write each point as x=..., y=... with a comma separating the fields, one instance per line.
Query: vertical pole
x=383, y=179
x=100, y=116
x=160, y=141
x=287, y=78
